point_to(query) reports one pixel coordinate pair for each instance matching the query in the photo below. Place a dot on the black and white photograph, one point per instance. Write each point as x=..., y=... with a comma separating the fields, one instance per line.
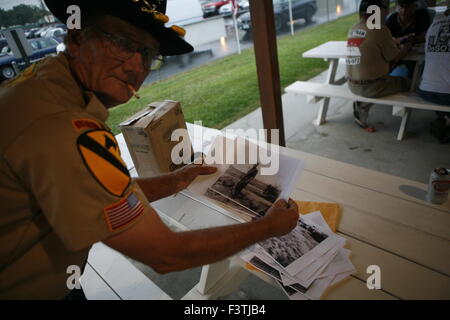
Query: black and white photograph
x=274, y=273
x=237, y=208
x=239, y=185
x=287, y=249
x=246, y=190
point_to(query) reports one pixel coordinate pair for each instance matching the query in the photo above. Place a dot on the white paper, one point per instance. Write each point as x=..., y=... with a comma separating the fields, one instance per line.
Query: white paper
x=318, y=274
x=307, y=275
x=302, y=246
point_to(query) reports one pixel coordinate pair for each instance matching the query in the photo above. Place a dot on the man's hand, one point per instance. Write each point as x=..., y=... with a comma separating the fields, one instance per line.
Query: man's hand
x=406, y=38
x=283, y=217
x=188, y=173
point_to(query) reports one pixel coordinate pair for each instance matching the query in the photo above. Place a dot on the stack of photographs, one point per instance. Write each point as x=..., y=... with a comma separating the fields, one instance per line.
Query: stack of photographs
x=304, y=262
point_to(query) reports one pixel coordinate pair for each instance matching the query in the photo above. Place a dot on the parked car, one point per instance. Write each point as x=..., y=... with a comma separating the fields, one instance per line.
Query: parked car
x=3, y=43
x=211, y=8
x=57, y=33
x=31, y=32
x=41, y=48
x=300, y=9
x=227, y=9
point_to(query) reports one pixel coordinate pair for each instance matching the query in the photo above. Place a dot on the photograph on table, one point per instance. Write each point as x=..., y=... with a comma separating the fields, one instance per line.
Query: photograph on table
x=286, y=249
x=299, y=248
x=239, y=186
x=244, y=188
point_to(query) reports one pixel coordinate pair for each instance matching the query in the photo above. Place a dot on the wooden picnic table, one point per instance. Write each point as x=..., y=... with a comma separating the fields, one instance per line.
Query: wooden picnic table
x=385, y=220
x=332, y=51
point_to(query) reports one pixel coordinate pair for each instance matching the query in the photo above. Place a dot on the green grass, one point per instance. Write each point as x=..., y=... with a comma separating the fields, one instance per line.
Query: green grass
x=220, y=92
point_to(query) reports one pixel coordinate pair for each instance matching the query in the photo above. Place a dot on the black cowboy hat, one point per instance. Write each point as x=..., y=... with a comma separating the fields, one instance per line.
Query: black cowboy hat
x=149, y=15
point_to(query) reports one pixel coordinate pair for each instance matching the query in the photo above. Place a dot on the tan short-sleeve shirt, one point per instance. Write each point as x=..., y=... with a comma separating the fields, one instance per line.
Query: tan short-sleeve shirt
x=63, y=184
x=370, y=52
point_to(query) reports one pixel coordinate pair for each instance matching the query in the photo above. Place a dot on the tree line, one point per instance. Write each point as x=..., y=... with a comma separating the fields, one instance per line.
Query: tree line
x=21, y=15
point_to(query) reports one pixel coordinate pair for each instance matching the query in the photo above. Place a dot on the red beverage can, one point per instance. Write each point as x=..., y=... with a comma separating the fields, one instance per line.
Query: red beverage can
x=439, y=186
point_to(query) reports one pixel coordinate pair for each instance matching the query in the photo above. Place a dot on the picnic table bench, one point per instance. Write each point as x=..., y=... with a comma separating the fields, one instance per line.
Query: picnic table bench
x=402, y=102
x=333, y=51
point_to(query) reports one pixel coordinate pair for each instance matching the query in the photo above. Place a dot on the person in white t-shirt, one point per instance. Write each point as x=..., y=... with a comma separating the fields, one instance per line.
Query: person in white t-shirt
x=435, y=84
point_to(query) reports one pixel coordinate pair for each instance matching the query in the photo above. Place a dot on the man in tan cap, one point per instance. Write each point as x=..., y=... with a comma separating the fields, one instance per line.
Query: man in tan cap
x=63, y=184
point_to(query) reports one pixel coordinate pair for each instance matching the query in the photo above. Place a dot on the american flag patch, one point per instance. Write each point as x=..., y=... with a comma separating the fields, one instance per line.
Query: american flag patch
x=123, y=212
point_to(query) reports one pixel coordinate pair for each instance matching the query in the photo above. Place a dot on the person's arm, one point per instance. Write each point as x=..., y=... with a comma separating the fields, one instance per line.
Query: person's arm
x=404, y=50
x=162, y=186
x=420, y=38
x=151, y=242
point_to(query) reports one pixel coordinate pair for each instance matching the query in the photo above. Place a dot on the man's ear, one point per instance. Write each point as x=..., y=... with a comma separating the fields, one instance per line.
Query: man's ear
x=73, y=41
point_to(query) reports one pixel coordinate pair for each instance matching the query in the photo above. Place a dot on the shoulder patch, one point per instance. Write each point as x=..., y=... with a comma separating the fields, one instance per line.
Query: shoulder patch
x=101, y=155
x=85, y=123
x=121, y=213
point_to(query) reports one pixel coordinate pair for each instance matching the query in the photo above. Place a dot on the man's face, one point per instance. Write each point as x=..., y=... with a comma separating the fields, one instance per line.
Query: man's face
x=101, y=70
x=406, y=13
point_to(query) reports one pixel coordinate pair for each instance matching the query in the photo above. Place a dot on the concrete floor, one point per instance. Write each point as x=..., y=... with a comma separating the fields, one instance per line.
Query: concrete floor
x=340, y=139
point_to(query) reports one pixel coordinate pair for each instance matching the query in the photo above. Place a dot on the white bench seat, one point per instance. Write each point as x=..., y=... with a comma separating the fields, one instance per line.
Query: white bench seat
x=402, y=100
x=110, y=276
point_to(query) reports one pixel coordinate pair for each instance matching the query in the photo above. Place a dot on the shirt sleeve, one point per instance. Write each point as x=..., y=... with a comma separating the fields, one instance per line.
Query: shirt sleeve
x=72, y=167
x=389, y=49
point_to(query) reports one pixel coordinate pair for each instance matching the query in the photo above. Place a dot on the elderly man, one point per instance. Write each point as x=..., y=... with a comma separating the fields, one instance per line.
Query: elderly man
x=63, y=184
x=372, y=53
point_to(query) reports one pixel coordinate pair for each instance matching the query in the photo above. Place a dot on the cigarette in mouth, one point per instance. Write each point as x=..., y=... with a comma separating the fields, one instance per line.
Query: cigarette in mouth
x=133, y=91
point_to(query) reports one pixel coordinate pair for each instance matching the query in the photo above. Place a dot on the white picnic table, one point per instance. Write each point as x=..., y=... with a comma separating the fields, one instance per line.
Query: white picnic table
x=385, y=220
x=332, y=51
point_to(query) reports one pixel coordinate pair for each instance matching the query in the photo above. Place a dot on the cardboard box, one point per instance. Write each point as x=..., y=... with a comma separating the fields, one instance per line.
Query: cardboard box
x=148, y=136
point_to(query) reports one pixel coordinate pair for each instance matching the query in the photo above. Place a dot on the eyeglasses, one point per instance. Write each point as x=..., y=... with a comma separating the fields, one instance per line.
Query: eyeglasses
x=124, y=49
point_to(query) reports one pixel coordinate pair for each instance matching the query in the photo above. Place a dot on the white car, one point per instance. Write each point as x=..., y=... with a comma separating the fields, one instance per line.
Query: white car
x=55, y=32
x=244, y=6
x=226, y=10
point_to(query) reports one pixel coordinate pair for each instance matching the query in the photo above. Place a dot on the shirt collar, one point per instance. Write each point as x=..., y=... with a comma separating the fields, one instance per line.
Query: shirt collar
x=92, y=104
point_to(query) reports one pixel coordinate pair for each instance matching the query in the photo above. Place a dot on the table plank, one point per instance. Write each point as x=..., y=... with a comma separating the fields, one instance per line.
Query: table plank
x=338, y=49
x=399, y=277
x=353, y=289
x=349, y=288
x=366, y=178
x=421, y=248
x=392, y=209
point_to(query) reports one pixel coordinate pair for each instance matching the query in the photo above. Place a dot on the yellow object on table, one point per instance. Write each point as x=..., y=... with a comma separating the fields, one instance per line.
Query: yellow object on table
x=331, y=212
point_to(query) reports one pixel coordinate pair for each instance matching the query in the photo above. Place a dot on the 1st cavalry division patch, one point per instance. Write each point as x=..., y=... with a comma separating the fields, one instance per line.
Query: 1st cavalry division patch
x=101, y=154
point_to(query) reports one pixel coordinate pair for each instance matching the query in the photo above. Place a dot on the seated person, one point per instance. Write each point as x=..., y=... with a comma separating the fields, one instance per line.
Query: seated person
x=409, y=21
x=368, y=69
x=435, y=84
